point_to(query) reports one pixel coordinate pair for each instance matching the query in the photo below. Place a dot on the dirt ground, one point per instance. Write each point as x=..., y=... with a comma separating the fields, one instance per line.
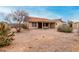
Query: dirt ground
x=43, y=40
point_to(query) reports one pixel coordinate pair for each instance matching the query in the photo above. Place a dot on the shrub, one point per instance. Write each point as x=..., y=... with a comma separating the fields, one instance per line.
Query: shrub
x=6, y=36
x=24, y=26
x=64, y=28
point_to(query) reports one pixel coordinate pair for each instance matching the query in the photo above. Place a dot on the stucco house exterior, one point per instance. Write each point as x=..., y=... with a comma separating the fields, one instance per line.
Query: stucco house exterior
x=76, y=25
x=42, y=23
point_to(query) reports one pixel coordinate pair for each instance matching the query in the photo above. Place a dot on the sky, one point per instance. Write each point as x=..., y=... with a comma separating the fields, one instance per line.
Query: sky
x=51, y=12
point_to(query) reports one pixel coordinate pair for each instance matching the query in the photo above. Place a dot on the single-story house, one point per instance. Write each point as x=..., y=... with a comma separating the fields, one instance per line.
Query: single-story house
x=76, y=25
x=37, y=23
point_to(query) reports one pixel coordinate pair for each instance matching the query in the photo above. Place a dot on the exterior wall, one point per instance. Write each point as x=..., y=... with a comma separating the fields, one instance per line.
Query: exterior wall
x=27, y=24
x=50, y=25
x=31, y=27
x=44, y=25
x=58, y=23
x=75, y=25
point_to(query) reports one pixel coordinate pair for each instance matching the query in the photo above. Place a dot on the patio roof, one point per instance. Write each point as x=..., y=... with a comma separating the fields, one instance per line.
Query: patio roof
x=36, y=19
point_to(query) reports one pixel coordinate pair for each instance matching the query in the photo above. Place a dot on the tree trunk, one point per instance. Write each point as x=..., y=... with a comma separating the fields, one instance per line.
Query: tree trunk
x=19, y=27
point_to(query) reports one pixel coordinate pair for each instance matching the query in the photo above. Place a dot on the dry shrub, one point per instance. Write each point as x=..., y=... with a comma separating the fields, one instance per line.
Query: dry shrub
x=64, y=28
x=6, y=36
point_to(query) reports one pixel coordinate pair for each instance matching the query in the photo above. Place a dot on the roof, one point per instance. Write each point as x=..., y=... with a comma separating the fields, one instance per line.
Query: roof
x=76, y=22
x=36, y=19
x=58, y=20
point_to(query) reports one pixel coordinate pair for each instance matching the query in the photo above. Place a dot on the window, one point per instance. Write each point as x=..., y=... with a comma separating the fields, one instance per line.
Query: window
x=45, y=24
x=34, y=24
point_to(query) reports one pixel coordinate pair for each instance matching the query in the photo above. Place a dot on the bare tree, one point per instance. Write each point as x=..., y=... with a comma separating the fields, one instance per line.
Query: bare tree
x=19, y=16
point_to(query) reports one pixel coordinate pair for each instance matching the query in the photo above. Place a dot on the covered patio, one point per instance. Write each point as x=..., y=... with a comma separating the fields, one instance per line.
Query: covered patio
x=45, y=25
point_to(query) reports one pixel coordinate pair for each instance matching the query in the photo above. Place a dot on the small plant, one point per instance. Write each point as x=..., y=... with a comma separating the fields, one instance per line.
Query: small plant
x=6, y=36
x=64, y=28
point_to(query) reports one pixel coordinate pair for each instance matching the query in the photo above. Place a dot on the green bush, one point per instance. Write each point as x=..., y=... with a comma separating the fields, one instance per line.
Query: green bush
x=6, y=36
x=64, y=28
x=5, y=42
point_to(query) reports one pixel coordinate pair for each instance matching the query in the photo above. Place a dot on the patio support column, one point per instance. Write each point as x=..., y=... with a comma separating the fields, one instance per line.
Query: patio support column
x=42, y=25
x=49, y=25
x=37, y=24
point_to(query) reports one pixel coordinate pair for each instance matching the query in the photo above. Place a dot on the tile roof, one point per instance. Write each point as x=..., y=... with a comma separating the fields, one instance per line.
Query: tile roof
x=36, y=19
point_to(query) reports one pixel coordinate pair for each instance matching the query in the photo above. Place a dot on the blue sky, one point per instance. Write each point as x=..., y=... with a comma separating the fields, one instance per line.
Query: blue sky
x=50, y=12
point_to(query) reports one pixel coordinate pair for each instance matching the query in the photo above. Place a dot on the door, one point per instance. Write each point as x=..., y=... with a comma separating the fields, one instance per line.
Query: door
x=39, y=25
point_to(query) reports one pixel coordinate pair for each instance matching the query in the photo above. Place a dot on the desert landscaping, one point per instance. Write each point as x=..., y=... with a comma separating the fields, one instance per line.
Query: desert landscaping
x=43, y=40
x=20, y=32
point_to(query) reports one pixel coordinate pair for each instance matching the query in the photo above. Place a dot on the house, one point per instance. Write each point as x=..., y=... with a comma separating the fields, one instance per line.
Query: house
x=76, y=25
x=43, y=23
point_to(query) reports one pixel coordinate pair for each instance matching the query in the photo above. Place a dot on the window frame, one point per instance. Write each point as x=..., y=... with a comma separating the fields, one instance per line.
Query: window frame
x=34, y=24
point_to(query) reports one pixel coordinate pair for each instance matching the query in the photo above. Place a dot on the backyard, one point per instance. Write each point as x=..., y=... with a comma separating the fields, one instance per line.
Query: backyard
x=43, y=40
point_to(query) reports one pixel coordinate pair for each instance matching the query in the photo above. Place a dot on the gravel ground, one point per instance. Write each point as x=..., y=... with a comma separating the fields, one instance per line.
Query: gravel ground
x=43, y=40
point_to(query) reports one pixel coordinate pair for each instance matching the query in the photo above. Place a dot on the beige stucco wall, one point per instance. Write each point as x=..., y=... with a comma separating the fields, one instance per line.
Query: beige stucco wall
x=58, y=23
x=30, y=26
x=75, y=25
